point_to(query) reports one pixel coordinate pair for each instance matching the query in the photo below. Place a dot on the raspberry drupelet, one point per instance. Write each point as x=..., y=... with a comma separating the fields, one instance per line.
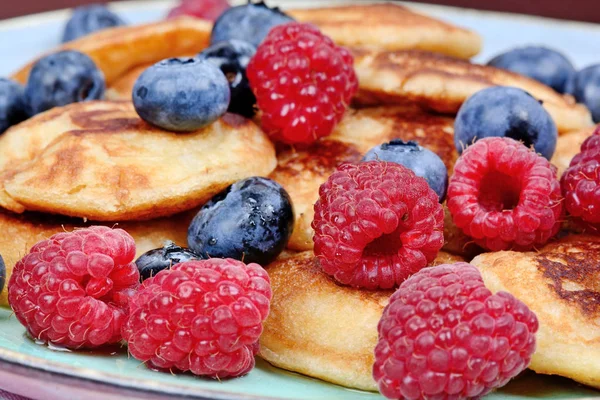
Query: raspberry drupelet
x=581, y=184
x=376, y=223
x=444, y=335
x=505, y=196
x=72, y=289
x=200, y=316
x=303, y=83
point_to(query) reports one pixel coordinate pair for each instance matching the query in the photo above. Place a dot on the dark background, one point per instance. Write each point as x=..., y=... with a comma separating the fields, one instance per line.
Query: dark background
x=582, y=10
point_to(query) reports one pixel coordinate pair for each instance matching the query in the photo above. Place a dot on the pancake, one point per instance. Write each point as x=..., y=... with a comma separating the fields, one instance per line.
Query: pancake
x=99, y=160
x=122, y=88
x=302, y=171
x=443, y=83
x=21, y=231
x=320, y=329
x=560, y=283
x=119, y=50
x=389, y=26
x=568, y=146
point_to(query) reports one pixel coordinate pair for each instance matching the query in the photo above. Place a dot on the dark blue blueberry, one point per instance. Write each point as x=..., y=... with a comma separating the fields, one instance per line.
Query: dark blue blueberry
x=585, y=87
x=2, y=273
x=88, y=19
x=250, y=22
x=543, y=64
x=232, y=57
x=252, y=220
x=63, y=78
x=423, y=162
x=181, y=94
x=505, y=111
x=13, y=108
x=153, y=261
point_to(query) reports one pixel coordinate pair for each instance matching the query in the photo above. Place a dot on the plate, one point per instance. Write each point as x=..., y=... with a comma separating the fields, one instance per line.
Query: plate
x=40, y=372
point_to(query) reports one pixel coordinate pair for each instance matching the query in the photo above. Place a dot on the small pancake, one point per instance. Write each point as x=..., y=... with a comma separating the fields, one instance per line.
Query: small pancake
x=443, y=83
x=321, y=329
x=99, y=160
x=560, y=283
x=390, y=26
x=302, y=171
x=21, y=231
x=568, y=146
x=119, y=50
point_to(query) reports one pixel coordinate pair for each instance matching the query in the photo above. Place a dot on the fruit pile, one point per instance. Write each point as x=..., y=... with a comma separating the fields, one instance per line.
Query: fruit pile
x=378, y=223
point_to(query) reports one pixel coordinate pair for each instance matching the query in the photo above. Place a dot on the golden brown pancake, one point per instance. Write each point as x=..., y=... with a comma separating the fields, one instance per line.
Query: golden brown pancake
x=321, y=329
x=302, y=171
x=121, y=88
x=389, y=26
x=21, y=231
x=443, y=83
x=568, y=146
x=99, y=160
x=561, y=284
x=119, y=50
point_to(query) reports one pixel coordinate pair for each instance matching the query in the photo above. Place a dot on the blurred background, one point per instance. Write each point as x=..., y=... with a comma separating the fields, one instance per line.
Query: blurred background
x=581, y=10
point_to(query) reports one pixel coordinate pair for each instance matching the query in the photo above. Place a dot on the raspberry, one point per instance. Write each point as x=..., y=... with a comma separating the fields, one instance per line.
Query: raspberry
x=207, y=9
x=580, y=183
x=445, y=336
x=503, y=195
x=303, y=83
x=72, y=289
x=376, y=223
x=200, y=316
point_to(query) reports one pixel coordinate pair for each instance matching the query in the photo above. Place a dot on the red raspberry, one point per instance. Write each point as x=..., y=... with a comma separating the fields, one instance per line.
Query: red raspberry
x=303, y=83
x=72, y=289
x=206, y=9
x=580, y=183
x=376, y=223
x=200, y=316
x=503, y=195
x=445, y=336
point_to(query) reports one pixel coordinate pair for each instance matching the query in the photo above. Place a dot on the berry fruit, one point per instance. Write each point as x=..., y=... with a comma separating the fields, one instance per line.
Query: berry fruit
x=205, y=9
x=181, y=94
x=376, y=223
x=303, y=83
x=505, y=196
x=252, y=220
x=540, y=63
x=250, y=22
x=232, y=57
x=585, y=87
x=580, y=183
x=423, y=162
x=13, y=108
x=63, y=78
x=444, y=335
x=89, y=19
x=2, y=273
x=72, y=289
x=153, y=261
x=200, y=316
x=505, y=112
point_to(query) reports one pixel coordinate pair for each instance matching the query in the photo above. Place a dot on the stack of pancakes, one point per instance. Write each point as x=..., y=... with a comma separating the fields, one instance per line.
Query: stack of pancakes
x=98, y=162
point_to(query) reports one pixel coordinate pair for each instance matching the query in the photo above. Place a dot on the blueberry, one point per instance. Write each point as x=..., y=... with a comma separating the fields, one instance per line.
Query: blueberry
x=250, y=22
x=423, y=162
x=13, y=108
x=88, y=19
x=153, y=261
x=505, y=111
x=251, y=220
x=232, y=57
x=543, y=64
x=181, y=94
x=63, y=78
x=585, y=87
x=2, y=273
